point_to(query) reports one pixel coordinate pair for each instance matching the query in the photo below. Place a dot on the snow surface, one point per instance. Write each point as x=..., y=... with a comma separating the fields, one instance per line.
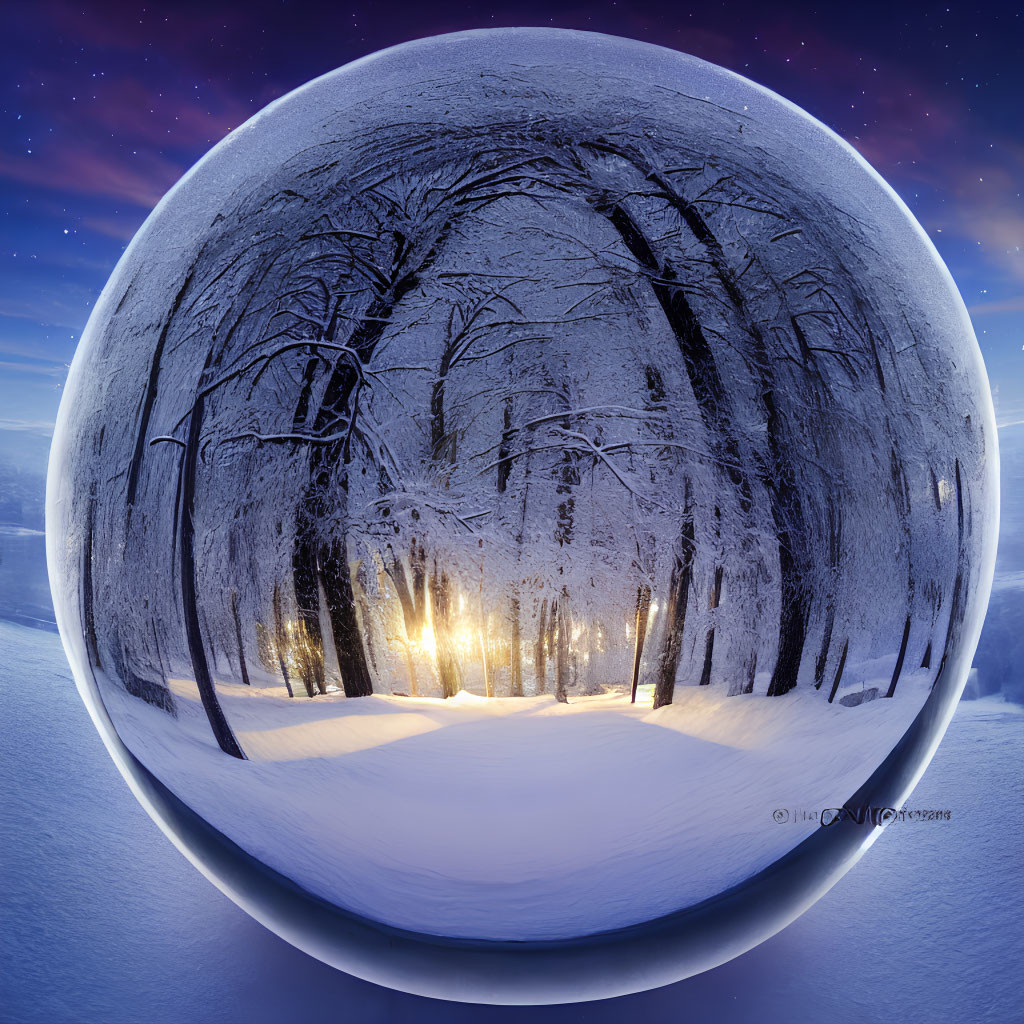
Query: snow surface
x=518, y=818
x=104, y=921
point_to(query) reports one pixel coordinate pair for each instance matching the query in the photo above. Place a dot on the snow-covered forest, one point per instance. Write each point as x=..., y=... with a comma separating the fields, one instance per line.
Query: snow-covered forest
x=496, y=391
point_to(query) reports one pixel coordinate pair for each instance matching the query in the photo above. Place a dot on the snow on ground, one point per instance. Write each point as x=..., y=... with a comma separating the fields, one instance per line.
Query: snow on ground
x=517, y=817
x=105, y=921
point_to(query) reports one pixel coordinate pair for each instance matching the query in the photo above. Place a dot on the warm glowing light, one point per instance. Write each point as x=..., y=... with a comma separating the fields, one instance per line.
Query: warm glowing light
x=427, y=642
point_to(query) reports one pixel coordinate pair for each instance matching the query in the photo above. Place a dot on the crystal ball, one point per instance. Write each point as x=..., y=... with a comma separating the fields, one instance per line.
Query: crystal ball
x=521, y=514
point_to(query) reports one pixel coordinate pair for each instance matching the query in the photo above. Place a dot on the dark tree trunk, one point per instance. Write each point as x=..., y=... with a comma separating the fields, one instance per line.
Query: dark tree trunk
x=541, y=657
x=926, y=661
x=826, y=641
x=958, y=606
x=190, y=612
x=705, y=379
x=306, y=583
x=675, y=616
x=339, y=409
x=792, y=623
x=325, y=563
x=149, y=397
x=441, y=607
x=715, y=598
x=956, y=622
x=310, y=656
x=701, y=368
x=839, y=672
x=643, y=613
x=899, y=660
x=959, y=510
x=515, y=653
x=341, y=607
x=314, y=558
x=505, y=448
x=709, y=650
x=562, y=649
x=281, y=641
x=412, y=610
x=936, y=496
x=835, y=541
x=751, y=673
x=411, y=599
x=88, y=594
x=242, y=667
x=552, y=630
x=418, y=565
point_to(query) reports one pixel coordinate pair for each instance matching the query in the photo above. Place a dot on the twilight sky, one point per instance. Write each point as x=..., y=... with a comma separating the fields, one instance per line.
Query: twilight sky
x=104, y=105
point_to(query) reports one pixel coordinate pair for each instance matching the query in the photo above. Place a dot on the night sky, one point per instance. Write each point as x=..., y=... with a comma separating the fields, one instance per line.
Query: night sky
x=105, y=105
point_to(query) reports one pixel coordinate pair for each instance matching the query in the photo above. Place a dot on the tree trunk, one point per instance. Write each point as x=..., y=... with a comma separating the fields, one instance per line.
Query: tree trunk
x=699, y=360
x=562, y=649
x=482, y=635
x=306, y=583
x=313, y=557
x=310, y=656
x=541, y=658
x=709, y=648
x=643, y=611
x=708, y=390
x=839, y=671
x=515, y=654
x=715, y=598
x=149, y=398
x=190, y=612
x=447, y=666
x=88, y=593
x=242, y=667
x=396, y=570
x=835, y=536
x=341, y=607
x=826, y=641
x=792, y=622
x=281, y=641
x=751, y=673
x=505, y=448
x=675, y=616
x=412, y=599
x=899, y=660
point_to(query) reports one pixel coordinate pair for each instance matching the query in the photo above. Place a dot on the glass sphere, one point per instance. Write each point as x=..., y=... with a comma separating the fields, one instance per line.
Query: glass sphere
x=521, y=510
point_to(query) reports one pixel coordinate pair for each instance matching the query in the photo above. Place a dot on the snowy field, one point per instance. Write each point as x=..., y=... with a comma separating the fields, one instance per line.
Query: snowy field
x=518, y=817
x=104, y=921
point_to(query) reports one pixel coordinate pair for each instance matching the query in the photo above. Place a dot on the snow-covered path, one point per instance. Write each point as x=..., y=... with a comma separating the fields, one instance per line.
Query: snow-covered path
x=104, y=920
x=518, y=817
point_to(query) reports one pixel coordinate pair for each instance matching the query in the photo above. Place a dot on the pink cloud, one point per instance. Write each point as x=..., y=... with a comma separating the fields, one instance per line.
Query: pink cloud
x=1011, y=305
x=141, y=180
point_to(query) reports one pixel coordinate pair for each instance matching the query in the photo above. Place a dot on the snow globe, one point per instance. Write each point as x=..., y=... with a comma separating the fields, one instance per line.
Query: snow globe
x=522, y=512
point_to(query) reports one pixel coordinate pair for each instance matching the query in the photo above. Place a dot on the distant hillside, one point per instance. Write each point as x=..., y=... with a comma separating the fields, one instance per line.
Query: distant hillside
x=22, y=496
x=24, y=587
